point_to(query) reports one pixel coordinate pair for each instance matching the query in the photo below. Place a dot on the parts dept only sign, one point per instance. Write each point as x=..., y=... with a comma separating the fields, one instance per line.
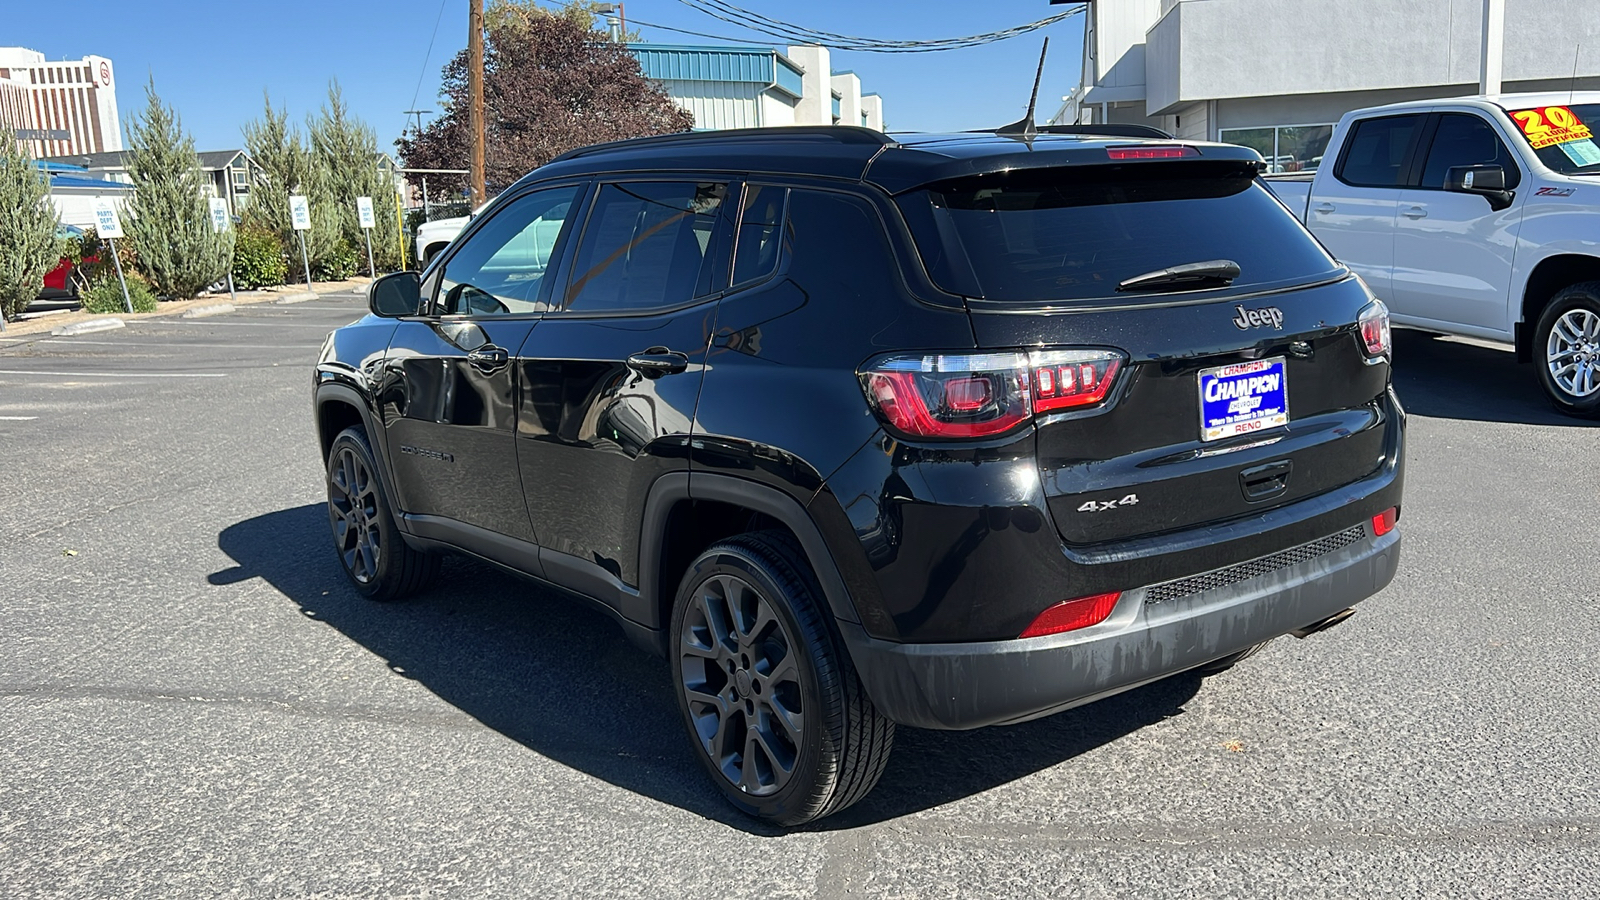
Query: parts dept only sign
x=299, y=213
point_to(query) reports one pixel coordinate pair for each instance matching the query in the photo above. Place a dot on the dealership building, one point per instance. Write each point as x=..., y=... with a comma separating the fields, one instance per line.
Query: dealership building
x=59, y=108
x=760, y=87
x=1277, y=76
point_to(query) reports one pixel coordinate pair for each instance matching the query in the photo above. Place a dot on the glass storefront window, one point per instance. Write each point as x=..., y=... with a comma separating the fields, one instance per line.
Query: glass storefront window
x=1286, y=148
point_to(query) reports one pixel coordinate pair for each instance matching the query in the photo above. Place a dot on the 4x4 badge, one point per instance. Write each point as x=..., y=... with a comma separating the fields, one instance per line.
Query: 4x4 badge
x=1255, y=318
x=1103, y=505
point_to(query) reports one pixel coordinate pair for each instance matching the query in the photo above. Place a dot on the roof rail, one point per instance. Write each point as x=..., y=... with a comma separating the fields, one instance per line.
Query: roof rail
x=840, y=134
x=1114, y=130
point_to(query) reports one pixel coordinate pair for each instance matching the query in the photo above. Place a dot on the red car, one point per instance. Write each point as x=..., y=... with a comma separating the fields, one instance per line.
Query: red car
x=59, y=283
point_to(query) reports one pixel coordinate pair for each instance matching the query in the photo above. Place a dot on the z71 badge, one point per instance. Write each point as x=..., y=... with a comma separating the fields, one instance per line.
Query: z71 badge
x=1103, y=505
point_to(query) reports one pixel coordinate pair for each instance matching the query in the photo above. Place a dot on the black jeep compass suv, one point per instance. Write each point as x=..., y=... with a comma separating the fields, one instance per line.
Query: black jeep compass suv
x=855, y=430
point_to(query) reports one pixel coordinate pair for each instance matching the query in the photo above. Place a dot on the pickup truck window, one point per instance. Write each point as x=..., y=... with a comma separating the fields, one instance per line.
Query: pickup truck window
x=1466, y=140
x=1376, y=152
x=1077, y=232
x=1569, y=157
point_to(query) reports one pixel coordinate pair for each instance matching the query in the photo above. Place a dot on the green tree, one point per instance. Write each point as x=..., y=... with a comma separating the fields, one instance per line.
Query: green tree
x=28, y=245
x=288, y=167
x=345, y=163
x=170, y=223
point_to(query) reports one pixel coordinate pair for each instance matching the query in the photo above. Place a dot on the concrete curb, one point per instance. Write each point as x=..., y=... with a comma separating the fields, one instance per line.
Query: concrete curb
x=214, y=309
x=301, y=297
x=89, y=327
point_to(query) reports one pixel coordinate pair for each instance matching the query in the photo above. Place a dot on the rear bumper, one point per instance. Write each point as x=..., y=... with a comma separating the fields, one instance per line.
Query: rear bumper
x=970, y=685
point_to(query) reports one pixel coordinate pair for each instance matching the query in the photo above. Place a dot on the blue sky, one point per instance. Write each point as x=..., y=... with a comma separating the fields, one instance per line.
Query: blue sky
x=212, y=61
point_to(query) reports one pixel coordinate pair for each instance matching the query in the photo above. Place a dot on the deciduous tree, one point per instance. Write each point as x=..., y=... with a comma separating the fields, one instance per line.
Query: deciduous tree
x=552, y=83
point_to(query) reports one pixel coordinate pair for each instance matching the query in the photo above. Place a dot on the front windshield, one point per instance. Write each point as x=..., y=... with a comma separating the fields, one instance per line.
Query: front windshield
x=1562, y=137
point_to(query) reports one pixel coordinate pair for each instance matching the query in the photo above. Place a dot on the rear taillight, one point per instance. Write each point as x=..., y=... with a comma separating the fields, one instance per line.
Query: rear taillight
x=1374, y=325
x=975, y=395
x=1174, y=151
x=1070, y=615
x=1384, y=522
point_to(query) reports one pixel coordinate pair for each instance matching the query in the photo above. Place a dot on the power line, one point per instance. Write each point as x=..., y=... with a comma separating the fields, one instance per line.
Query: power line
x=789, y=32
x=425, y=58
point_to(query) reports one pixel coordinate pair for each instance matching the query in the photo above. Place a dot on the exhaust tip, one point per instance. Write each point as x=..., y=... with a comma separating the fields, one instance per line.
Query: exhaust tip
x=1324, y=624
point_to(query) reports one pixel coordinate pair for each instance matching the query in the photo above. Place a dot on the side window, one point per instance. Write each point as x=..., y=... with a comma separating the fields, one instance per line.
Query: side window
x=760, y=232
x=647, y=246
x=1377, y=151
x=501, y=267
x=1465, y=140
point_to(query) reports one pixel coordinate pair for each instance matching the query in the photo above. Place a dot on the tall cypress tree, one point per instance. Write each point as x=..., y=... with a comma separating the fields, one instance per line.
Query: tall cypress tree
x=345, y=152
x=170, y=225
x=28, y=245
x=289, y=168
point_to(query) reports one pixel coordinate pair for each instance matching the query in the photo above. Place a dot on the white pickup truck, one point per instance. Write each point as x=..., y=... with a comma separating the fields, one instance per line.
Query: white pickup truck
x=1477, y=216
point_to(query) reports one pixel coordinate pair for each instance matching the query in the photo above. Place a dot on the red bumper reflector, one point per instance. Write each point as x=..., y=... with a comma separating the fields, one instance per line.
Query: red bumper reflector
x=1070, y=615
x=1383, y=522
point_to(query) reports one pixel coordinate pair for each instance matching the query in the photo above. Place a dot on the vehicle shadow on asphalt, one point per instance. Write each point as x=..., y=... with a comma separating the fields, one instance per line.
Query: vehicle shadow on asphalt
x=1447, y=379
x=560, y=679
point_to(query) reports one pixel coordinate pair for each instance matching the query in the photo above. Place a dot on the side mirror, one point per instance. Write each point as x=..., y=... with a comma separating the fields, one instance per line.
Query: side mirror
x=396, y=295
x=1488, y=182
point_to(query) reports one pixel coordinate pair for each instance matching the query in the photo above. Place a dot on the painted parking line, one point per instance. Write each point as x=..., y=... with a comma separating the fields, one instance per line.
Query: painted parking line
x=133, y=342
x=17, y=418
x=116, y=374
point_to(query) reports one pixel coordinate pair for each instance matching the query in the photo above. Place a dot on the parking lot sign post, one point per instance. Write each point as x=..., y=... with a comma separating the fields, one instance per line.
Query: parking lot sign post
x=300, y=217
x=364, y=213
x=108, y=226
x=220, y=220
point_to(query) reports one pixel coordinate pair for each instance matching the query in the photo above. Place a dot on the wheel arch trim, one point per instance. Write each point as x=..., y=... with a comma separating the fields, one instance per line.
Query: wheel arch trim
x=327, y=393
x=676, y=487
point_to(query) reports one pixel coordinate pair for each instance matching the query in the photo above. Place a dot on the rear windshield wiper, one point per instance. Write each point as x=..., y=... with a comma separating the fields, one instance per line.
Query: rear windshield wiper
x=1211, y=273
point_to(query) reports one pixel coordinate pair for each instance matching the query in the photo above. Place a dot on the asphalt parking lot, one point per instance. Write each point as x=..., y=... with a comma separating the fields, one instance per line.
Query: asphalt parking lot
x=193, y=704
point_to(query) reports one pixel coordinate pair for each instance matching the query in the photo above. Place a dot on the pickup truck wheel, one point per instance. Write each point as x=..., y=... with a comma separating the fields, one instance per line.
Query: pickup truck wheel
x=773, y=707
x=371, y=551
x=1569, y=338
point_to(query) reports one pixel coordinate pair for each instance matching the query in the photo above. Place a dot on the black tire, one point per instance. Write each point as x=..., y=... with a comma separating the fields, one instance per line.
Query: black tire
x=1218, y=666
x=371, y=550
x=726, y=677
x=1555, y=353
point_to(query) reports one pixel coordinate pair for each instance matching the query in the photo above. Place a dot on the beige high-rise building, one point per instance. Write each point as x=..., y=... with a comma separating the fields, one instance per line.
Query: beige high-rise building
x=59, y=108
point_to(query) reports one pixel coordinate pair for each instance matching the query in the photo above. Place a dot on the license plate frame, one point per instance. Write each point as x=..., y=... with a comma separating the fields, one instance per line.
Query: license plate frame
x=1228, y=411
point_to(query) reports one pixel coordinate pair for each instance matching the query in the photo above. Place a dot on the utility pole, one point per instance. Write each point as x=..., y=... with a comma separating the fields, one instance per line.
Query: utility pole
x=1494, y=40
x=418, y=113
x=475, y=88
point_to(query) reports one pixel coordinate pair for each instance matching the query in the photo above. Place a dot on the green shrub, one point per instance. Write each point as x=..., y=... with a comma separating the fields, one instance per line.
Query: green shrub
x=104, y=296
x=339, y=263
x=258, y=259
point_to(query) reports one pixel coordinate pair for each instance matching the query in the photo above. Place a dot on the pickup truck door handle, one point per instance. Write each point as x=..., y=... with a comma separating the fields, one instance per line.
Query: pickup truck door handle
x=1416, y=212
x=489, y=358
x=658, y=361
x=1324, y=208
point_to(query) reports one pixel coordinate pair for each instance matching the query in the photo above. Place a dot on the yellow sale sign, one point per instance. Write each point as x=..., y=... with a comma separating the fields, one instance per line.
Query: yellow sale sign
x=1546, y=126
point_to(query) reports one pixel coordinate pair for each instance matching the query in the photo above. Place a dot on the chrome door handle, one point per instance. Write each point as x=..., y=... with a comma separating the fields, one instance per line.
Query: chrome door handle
x=1324, y=208
x=658, y=361
x=488, y=359
x=1415, y=212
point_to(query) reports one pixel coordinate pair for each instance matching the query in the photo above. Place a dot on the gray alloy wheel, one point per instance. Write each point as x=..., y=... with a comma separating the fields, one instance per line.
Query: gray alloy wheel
x=371, y=550
x=353, y=513
x=772, y=705
x=1566, y=347
x=738, y=670
x=1572, y=351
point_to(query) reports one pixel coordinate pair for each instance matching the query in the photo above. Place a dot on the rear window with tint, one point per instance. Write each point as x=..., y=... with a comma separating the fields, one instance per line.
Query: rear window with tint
x=1076, y=233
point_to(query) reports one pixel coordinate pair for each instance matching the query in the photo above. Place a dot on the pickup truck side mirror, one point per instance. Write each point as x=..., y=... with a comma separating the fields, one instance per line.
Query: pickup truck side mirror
x=1488, y=182
x=395, y=295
